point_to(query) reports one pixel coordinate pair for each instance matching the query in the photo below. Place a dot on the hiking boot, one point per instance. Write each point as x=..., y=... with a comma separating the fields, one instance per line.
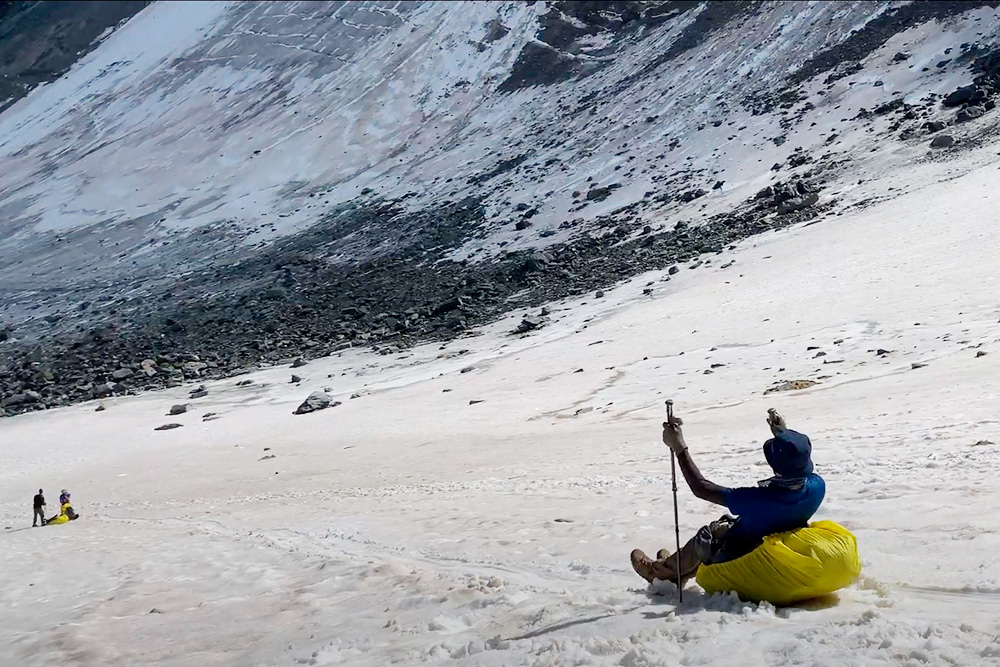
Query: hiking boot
x=650, y=569
x=643, y=565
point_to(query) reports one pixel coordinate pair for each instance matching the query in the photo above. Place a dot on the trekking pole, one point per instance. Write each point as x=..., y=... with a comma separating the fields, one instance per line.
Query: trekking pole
x=673, y=486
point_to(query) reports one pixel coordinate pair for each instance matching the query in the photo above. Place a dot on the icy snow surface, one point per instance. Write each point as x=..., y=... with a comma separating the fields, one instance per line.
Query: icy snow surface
x=409, y=525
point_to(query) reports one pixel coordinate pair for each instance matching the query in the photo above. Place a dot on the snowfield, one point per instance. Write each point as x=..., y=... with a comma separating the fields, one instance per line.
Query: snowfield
x=413, y=525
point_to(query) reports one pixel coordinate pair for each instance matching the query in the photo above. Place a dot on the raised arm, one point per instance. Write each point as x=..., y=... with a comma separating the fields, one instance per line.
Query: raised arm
x=673, y=437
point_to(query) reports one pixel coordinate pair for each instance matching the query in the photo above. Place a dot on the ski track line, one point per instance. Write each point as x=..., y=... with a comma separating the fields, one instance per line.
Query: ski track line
x=307, y=545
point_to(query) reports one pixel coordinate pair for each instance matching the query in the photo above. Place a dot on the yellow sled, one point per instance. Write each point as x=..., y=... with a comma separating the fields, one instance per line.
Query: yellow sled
x=66, y=514
x=789, y=567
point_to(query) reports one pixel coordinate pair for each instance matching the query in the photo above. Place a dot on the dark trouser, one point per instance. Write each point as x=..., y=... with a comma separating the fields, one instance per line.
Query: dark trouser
x=711, y=544
x=39, y=514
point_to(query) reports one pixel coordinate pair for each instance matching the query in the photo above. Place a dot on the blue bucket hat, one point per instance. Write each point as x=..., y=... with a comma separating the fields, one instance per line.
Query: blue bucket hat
x=789, y=454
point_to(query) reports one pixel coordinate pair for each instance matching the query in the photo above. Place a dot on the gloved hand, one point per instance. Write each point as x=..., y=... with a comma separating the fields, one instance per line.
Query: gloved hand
x=775, y=421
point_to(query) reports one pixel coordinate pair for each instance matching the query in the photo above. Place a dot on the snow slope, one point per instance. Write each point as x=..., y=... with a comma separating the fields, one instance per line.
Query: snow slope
x=410, y=525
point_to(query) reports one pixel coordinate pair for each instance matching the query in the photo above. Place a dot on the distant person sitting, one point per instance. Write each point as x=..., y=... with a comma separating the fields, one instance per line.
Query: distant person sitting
x=66, y=514
x=63, y=497
x=39, y=509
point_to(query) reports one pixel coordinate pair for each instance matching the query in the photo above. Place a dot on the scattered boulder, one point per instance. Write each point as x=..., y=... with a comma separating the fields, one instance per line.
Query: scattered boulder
x=178, y=409
x=103, y=390
x=24, y=398
x=968, y=113
x=798, y=158
x=122, y=374
x=200, y=392
x=194, y=367
x=942, y=141
x=317, y=400
x=295, y=379
x=791, y=385
x=970, y=94
x=980, y=353
x=598, y=194
x=522, y=224
x=798, y=203
x=933, y=126
x=529, y=323
x=168, y=427
x=100, y=408
x=691, y=195
x=298, y=363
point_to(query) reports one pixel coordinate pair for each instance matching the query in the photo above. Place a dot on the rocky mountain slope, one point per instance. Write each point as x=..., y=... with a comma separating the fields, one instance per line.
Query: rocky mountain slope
x=39, y=41
x=221, y=185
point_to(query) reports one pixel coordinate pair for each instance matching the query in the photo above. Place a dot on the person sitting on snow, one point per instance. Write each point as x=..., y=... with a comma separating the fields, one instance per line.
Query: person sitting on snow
x=784, y=502
x=66, y=514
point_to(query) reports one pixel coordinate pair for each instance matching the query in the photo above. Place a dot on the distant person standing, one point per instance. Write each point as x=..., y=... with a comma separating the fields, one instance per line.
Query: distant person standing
x=39, y=509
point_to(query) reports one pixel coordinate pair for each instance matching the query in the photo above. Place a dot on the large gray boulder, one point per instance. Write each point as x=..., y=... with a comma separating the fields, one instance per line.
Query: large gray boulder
x=24, y=398
x=798, y=203
x=942, y=141
x=318, y=400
